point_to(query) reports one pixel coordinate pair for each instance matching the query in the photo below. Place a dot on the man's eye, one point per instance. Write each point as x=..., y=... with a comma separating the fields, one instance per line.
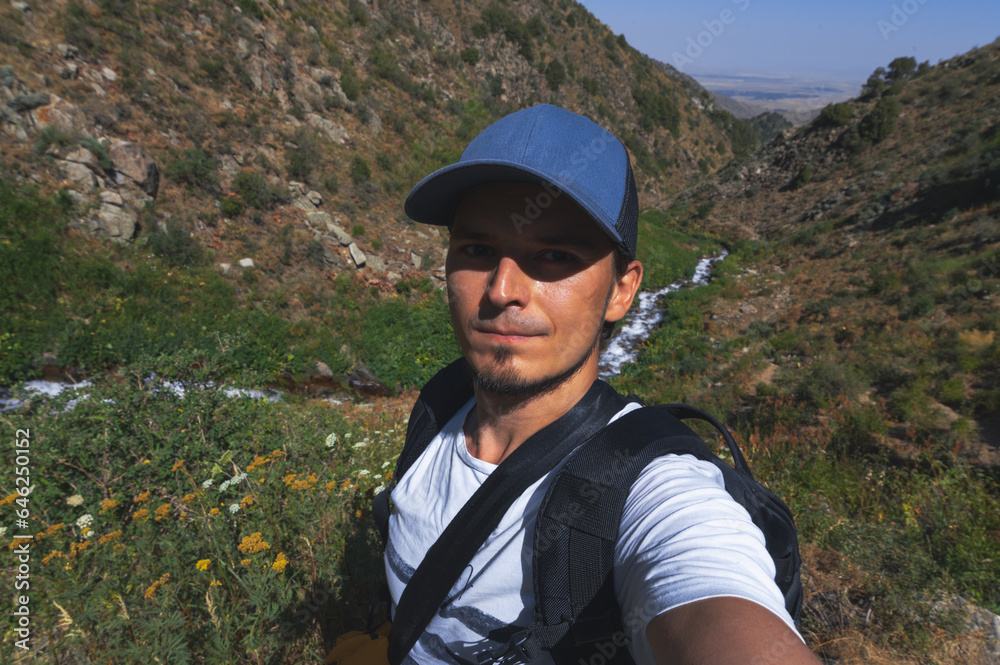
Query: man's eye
x=478, y=250
x=557, y=256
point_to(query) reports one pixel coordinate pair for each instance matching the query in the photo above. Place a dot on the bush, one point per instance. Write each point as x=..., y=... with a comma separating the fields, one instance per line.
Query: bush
x=175, y=246
x=803, y=178
x=470, y=55
x=590, y=85
x=251, y=9
x=360, y=171
x=497, y=18
x=835, y=115
x=196, y=168
x=657, y=108
x=555, y=74
x=881, y=122
x=256, y=192
x=349, y=82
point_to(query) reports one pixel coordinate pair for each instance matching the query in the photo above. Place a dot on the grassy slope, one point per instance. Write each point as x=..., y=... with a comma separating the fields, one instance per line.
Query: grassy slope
x=853, y=346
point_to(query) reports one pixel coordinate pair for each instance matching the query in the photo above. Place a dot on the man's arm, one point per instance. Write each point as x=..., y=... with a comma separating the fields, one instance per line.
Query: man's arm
x=725, y=631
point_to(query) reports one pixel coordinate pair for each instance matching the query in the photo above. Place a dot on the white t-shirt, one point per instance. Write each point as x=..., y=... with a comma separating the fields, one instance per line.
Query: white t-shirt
x=682, y=538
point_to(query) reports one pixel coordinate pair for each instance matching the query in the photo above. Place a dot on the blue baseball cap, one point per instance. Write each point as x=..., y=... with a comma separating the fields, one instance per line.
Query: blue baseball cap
x=563, y=152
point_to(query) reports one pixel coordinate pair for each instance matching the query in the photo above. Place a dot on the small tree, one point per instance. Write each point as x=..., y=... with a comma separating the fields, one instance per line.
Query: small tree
x=901, y=68
x=555, y=74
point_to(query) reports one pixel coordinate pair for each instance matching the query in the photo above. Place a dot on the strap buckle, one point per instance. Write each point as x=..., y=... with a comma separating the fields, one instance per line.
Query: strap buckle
x=512, y=653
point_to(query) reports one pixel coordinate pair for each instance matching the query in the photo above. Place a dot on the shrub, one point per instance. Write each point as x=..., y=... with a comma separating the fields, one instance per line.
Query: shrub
x=305, y=156
x=196, y=168
x=349, y=82
x=803, y=178
x=590, y=85
x=255, y=191
x=657, y=108
x=881, y=122
x=835, y=115
x=360, y=171
x=231, y=205
x=251, y=9
x=175, y=245
x=555, y=74
x=470, y=55
x=497, y=18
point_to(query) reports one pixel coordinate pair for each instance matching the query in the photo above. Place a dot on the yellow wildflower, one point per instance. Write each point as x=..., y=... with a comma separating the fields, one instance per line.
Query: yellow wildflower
x=277, y=453
x=203, y=564
x=246, y=562
x=214, y=511
x=109, y=537
x=258, y=461
x=108, y=504
x=54, y=555
x=188, y=498
x=141, y=514
x=178, y=464
x=54, y=529
x=76, y=548
x=289, y=479
x=142, y=498
x=346, y=485
x=151, y=591
x=280, y=562
x=162, y=512
x=9, y=499
x=358, y=514
x=215, y=583
x=305, y=483
x=253, y=543
x=247, y=501
x=330, y=486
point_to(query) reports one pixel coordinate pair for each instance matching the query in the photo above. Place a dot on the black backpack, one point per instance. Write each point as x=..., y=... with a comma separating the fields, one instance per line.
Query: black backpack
x=576, y=612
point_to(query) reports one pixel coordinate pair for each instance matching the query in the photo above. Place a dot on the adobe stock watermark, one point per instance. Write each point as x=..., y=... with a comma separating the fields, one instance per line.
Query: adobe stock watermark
x=714, y=28
x=582, y=159
x=899, y=17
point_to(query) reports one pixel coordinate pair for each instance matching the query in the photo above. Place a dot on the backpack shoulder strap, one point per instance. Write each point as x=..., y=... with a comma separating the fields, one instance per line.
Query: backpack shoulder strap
x=439, y=400
x=577, y=529
x=576, y=609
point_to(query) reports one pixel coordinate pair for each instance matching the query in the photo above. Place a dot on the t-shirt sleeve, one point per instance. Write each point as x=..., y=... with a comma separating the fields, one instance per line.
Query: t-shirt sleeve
x=683, y=538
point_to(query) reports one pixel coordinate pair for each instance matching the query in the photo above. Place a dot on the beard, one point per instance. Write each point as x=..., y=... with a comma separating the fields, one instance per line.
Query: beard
x=500, y=378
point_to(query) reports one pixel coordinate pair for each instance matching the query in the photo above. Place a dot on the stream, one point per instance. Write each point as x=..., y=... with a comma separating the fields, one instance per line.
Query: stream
x=621, y=350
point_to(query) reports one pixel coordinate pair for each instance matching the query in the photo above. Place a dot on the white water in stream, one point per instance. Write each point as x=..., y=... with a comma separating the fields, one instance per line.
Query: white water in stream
x=641, y=319
x=621, y=350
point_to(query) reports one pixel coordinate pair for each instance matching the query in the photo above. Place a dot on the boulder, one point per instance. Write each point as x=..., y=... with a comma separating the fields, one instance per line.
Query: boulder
x=334, y=131
x=116, y=222
x=357, y=255
x=246, y=263
x=131, y=162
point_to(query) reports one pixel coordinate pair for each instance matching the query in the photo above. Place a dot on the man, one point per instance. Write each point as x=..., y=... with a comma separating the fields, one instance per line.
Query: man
x=543, y=215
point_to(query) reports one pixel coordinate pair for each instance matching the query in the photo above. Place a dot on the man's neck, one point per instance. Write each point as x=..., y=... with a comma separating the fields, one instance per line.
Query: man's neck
x=498, y=425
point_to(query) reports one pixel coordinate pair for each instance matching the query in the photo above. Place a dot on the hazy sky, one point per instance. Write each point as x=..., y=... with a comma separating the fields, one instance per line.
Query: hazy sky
x=834, y=39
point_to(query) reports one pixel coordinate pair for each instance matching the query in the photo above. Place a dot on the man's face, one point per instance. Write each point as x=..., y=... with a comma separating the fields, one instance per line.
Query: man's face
x=528, y=300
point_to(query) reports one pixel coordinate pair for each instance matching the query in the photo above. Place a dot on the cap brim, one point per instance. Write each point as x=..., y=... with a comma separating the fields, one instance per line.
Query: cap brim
x=433, y=199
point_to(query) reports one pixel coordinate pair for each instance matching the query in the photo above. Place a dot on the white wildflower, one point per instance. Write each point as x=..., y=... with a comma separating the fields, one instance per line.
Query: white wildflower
x=363, y=472
x=331, y=440
x=75, y=500
x=88, y=532
x=385, y=464
x=360, y=444
x=379, y=488
x=3, y=530
x=85, y=520
x=205, y=485
x=234, y=508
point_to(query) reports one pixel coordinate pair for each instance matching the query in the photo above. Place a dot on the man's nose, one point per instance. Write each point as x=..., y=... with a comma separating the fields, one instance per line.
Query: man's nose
x=508, y=284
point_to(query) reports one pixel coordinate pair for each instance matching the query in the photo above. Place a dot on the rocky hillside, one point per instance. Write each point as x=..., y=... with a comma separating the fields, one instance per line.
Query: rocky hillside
x=215, y=116
x=879, y=225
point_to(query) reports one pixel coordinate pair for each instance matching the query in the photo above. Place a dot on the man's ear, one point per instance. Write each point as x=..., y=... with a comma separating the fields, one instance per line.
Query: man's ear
x=623, y=292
